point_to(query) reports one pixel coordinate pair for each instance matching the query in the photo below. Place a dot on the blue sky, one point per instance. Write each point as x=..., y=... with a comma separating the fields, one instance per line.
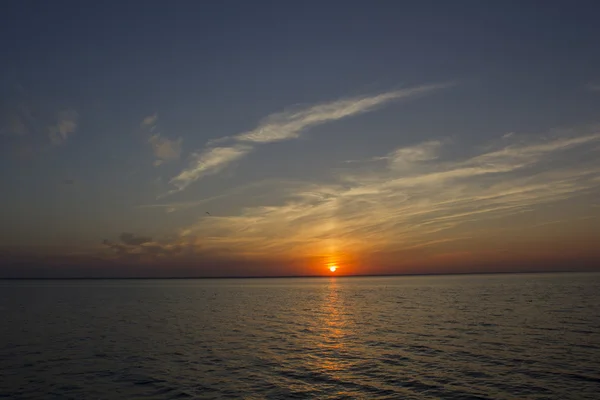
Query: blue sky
x=281, y=137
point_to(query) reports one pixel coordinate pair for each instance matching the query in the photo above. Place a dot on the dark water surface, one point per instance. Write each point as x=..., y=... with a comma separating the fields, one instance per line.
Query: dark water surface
x=455, y=337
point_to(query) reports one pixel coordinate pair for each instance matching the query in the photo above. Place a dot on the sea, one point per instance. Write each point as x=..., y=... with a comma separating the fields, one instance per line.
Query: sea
x=521, y=336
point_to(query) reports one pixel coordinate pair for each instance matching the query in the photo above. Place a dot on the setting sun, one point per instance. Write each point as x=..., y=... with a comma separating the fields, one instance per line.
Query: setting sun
x=332, y=268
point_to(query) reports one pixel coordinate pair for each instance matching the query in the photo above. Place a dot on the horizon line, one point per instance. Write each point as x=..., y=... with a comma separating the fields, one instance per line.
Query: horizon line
x=298, y=276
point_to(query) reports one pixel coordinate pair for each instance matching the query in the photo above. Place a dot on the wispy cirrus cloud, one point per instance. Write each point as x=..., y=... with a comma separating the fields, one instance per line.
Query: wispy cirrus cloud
x=263, y=186
x=415, y=198
x=286, y=125
x=593, y=87
x=132, y=247
x=210, y=161
x=164, y=149
x=149, y=122
x=34, y=122
x=290, y=124
x=66, y=124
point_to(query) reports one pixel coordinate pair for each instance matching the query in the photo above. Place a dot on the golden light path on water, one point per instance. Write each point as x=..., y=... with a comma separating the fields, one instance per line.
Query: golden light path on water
x=333, y=330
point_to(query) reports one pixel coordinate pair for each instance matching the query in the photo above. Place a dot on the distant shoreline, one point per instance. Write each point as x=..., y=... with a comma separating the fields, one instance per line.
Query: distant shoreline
x=293, y=276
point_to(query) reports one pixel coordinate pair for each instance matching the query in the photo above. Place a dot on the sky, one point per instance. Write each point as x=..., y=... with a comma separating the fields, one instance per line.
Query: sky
x=272, y=138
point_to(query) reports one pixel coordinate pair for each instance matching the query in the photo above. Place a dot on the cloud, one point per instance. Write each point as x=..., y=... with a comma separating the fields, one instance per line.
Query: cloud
x=415, y=198
x=286, y=126
x=209, y=162
x=16, y=113
x=258, y=187
x=290, y=124
x=66, y=125
x=132, y=240
x=131, y=247
x=593, y=87
x=407, y=157
x=149, y=122
x=164, y=149
x=13, y=124
x=33, y=122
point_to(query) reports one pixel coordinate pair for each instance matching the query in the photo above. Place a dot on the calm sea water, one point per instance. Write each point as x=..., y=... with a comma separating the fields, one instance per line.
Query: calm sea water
x=455, y=337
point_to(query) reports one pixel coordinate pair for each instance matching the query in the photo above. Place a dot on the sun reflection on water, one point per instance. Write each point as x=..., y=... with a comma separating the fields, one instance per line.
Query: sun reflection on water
x=334, y=328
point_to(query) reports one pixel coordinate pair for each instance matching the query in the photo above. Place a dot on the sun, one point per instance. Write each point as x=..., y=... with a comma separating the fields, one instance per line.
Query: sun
x=332, y=268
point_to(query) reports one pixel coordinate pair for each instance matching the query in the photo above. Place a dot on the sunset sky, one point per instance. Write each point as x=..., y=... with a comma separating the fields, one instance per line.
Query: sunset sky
x=236, y=138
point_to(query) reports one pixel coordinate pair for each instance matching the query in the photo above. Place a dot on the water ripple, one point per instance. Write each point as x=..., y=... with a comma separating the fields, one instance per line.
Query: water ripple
x=486, y=337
